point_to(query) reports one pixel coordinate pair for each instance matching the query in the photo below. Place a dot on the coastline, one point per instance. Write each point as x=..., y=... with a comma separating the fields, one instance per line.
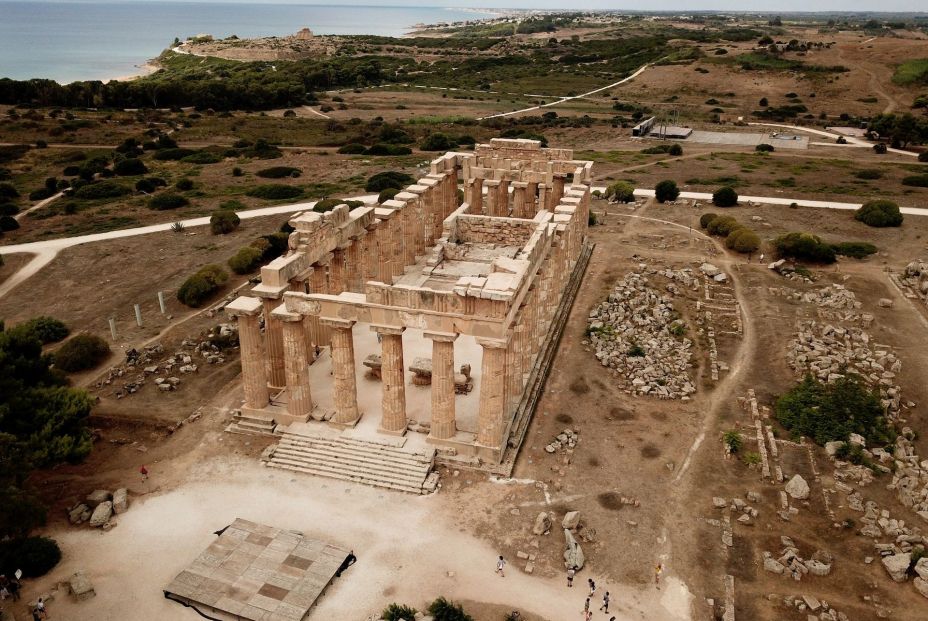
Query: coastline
x=147, y=69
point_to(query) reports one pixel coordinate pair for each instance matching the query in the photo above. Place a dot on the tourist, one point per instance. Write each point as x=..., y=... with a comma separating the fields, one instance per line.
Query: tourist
x=657, y=574
x=36, y=616
x=605, y=606
x=592, y=586
x=499, y=566
x=587, y=615
x=586, y=606
x=144, y=472
x=15, y=586
x=570, y=576
x=40, y=608
x=350, y=560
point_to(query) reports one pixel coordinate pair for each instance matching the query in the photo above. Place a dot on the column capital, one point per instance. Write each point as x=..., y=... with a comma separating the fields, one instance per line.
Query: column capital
x=244, y=306
x=519, y=184
x=441, y=337
x=282, y=314
x=493, y=343
x=388, y=330
x=335, y=322
x=324, y=259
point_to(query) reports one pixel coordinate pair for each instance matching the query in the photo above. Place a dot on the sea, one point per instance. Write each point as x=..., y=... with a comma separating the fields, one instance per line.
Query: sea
x=69, y=41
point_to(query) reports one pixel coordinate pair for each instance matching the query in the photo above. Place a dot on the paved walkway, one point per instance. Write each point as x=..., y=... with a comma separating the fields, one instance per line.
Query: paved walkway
x=851, y=140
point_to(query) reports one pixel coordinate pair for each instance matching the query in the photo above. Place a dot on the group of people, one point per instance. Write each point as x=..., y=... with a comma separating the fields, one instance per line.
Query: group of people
x=9, y=588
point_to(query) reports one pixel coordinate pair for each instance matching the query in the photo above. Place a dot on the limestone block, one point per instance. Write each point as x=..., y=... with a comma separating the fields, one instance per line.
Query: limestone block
x=798, y=488
x=120, y=500
x=101, y=514
x=97, y=496
x=897, y=565
x=571, y=520
x=79, y=514
x=921, y=585
x=80, y=586
x=573, y=554
x=772, y=565
x=542, y=524
x=921, y=568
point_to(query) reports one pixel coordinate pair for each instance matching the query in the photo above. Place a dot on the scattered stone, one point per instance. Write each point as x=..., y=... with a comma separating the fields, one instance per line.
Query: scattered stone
x=80, y=586
x=101, y=514
x=897, y=565
x=542, y=524
x=573, y=554
x=97, y=496
x=797, y=488
x=571, y=520
x=120, y=500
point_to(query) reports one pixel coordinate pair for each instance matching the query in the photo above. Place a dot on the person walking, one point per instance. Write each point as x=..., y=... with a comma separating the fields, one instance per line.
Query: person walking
x=592, y=586
x=570, y=576
x=605, y=606
x=144, y=472
x=657, y=574
x=586, y=606
x=499, y=566
x=588, y=615
x=40, y=608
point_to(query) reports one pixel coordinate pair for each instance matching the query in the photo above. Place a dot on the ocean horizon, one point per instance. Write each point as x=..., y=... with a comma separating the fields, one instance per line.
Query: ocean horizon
x=71, y=41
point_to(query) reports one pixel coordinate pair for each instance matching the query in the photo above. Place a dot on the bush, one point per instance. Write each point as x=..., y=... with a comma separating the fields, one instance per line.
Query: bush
x=387, y=194
x=397, y=612
x=223, y=221
x=804, y=247
x=722, y=226
x=388, y=179
x=666, y=191
x=919, y=181
x=923, y=156
x=675, y=150
x=163, y=202
x=245, y=260
x=101, y=189
x=621, y=191
x=829, y=412
x=445, y=610
x=202, y=157
x=733, y=441
x=173, y=154
x=437, y=142
x=8, y=192
x=184, y=184
x=855, y=250
x=199, y=287
x=706, y=218
x=274, y=192
x=8, y=209
x=8, y=223
x=35, y=556
x=237, y=172
x=130, y=167
x=352, y=149
x=279, y=172
x=869, y=173
x=46, y=329
x=328, y=204
x=743, y=240
x=879, y=213
x=84, y=351
x=387, y=150
x=725, y=197
x=764, y=148
x=880, y=148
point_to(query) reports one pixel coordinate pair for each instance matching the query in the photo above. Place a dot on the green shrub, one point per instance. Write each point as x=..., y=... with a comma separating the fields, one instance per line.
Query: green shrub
x=130, y=167
x=675, y=150
x=764, y=148
x=666, y=191
x=621, y=191
x=35, y=556
x=163, y=202
x=275, y=192
x=706, y=218
x=733, y=441
x=84, y=351
x=223, y=221
x=328, y=204
x=279, y=172
x=923, y=156
x=387, y=194
x=381, y=149
x=869, y=173
x=8, y=209
x=388, y=179
x=352, y=149
x=725, y=197
x=855, y=250
x=199, y=287
x=918, y=181
x=722, y=226
x=880, y=148
x=102, y=189
x=879, y=213
x=743, y=240
x=184, y=184
x=397, y=612
x=804, y=247
x=8, y=192
x=246, y=260
x=232, y=204
x=202, y=157
x=829, y=412
x=437, y=142
x=8, y=223
x=237, y=172
x=445, y=610
x=46, y=329
x=173, y=154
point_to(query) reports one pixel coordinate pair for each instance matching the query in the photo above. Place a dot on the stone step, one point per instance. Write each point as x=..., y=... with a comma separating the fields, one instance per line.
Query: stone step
x=348, y=458
x=379, y=452
x=411, y=479
x=354, y=478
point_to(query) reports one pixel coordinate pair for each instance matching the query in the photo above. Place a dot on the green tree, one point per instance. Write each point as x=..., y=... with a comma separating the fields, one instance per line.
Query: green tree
x=725, y=197
x=666, y=191
x=621, y=191
x=223, y=221
x=804, y=247
x=84, y=351
x=879, y=213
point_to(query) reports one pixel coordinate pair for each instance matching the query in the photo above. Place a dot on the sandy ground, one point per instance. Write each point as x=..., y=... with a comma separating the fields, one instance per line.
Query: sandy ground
x=410, y=549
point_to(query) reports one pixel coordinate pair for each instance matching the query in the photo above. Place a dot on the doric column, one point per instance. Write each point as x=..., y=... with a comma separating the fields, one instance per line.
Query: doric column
x=557, y=192
x=245, y=312
x=514, y=367
x=337, y=270
x=370, y=262
x=542, y=197
x=398, y=257
x=319, y=283
x=443, y=396
x=392, y=372
x=274, y=336
x=296, y=364
x=531, y=199
x=476, y=196
x=518, y=199
x=502, y=201
x=492, y=392
x=354, y=264
x=344, y=383
x=492, y=197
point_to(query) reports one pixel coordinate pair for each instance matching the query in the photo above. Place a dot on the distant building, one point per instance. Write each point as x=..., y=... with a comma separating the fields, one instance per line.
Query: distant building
x=304, y=34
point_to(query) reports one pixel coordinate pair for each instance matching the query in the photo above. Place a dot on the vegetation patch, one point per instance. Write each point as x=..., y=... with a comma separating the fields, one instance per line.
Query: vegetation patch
x=804, y=247
x=279, y=172
x=275, y=192
x=879, y=213
x=84, y=351
x=202, y=285
x=912, y=72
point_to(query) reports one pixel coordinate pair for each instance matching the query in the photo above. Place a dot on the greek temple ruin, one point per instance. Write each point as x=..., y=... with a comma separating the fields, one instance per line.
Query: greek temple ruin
x=421, y=323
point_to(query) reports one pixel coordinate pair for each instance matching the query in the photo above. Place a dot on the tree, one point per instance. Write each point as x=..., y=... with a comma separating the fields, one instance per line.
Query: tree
x=722, y=226
x=805, y=247
x=388, y=179
x=84, y=351
x=675, y=150
x=621, y=192
x=666, y=191
x=199, y=287
x=437, y=142
x=879, y=213
x=725, y=197
x=706, y=218
x=764, y=148
x=129, y=167
x=743, y=240
x=46, y=329
x=223, y=221
x=245, y=260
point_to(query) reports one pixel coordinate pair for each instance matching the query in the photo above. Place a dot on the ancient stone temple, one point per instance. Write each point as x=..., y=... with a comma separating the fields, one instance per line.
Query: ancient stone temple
x=425, y=316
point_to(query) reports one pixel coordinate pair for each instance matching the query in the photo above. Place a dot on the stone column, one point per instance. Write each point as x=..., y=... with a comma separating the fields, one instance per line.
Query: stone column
x=492, y=206
x=337, y=270
x=398, y=256
x=296, y=365
x=542, y=197
x=502, y=201
x=518, y=199
x=245, y=311
x=531, y=199
x=492, y=393
x=476, y=196
x=319, y=284
x=274, y=335
x=369, y=257
x=557, y=192
x=443, y=396
x=514, y=367
x=393, y=374
x=344, y=384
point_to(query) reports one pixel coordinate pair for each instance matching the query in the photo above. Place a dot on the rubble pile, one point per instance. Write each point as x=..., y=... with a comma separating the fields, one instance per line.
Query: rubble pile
x=815, y=609
x=637, y=333
x=790, y=271
x=915, y=276
x=567, y=439
x=100, y=508
x=789, y=563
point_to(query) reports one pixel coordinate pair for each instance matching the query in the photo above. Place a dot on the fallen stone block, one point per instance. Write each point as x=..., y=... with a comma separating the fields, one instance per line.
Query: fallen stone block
x=121, y=500
x=80, y=586
x=571, y=520
x=101, y=514
x=97, y=496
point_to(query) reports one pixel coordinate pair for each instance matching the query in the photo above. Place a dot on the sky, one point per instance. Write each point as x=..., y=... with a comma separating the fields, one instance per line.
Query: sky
x=909, y=6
